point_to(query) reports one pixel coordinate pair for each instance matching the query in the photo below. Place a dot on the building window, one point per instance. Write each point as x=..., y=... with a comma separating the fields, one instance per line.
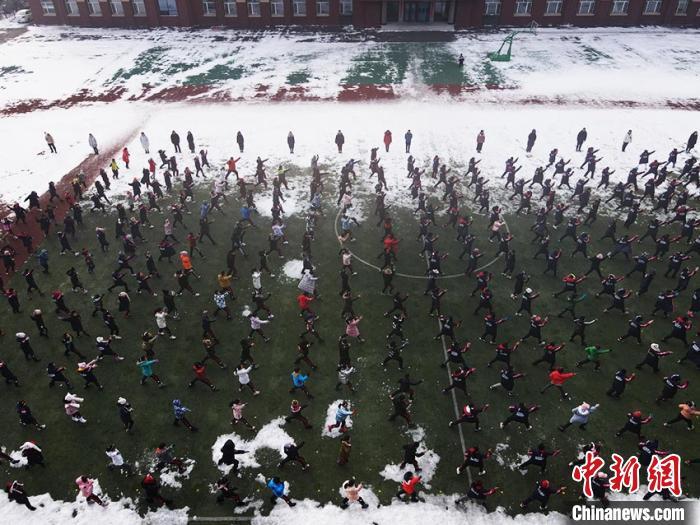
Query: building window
x=138, y=7
x=523, y=7
x=346, y=7
x=47, y=7
x=230, y=8
x=553, y=7
x=620, y=7
x=167, y=7
x=323, y=7
x=299, y=7
x=94, y=8
x=208, y=7
x=586, y=7
x=492, y=8
x=652, y=7
x=682, y=7
x=116, y=7
x=277, y=7
x=72, y=8
x=253, y=8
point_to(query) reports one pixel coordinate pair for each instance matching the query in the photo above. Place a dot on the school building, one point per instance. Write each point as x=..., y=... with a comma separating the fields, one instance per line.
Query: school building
x=457, y=14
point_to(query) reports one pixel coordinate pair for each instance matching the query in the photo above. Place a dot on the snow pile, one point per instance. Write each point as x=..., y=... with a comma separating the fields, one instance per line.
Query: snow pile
x=330, y=420
x=435, y=509
x=292, y=269
x=173, y=477
x=17, y=455
x=500, y=456
x=498, y=451
x=270, y=436
x=79, y=512
x=428, y=462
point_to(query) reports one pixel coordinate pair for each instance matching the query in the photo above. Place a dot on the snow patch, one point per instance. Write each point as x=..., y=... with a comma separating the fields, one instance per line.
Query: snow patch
x=435, y=509
x=428, y=462
x=173, y=477
x=292, y=269
x=57, y=512
x=270, y=436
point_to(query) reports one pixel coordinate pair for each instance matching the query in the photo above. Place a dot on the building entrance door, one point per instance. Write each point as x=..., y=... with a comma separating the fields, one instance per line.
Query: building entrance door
x=416, y=12
x=442, y=12
x=392, y=11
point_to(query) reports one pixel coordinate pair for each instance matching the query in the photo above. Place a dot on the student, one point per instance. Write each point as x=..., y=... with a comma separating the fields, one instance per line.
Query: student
x=352, y=493
x=278, y=488
x=180, y=411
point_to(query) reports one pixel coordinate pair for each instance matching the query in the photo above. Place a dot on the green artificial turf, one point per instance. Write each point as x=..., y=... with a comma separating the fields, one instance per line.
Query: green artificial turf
x=72, y=449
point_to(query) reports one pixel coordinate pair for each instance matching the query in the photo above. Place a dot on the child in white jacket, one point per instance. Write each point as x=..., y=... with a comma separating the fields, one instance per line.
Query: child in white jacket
x=71, y=404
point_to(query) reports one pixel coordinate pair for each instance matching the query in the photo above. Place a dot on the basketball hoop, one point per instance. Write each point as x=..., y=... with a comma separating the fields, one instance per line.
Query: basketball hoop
x=503, y=53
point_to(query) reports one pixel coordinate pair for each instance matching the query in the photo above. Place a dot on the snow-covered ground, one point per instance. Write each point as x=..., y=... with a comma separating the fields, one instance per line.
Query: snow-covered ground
x=270, y=436
x=446, y=130
x=646, y=66
x=79, y=512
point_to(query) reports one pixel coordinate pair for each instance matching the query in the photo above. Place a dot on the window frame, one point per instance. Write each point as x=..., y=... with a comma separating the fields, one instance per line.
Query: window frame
x=228, y=12
x=677, y=11
x=112, y=3
x=296, y=3
x=559, y=3
x=497, y=3
x=138, y=11
x=320, y=3
x=172, y=4
x=69, y=10
x=623, y=12
x=343, y=10
x=46, y=10
x=528, y=6
x=249, y=7
x=647, y=3
x=589, y=12
x=274, y=12
x=91, y=7
x=209, y=8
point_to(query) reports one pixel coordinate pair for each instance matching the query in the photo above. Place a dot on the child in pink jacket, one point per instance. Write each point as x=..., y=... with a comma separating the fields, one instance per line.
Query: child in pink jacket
x=86, y=487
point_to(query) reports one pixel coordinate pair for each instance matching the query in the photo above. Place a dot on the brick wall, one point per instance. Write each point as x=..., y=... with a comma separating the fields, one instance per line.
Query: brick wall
x=366, y=13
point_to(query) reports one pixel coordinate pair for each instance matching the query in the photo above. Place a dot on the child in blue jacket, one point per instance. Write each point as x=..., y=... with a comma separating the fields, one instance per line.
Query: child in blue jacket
x=276, y=485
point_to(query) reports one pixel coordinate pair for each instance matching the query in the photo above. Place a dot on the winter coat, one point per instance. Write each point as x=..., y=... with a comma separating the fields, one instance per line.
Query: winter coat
x=580, y=416
x=145, y=143
x=243, y=375
x=92, y=141
x=559, y=378
x=687, y=411
x=342, y=414
x=147, y=367
x=299, y=379
x=352, y=329
x=352, y=492
x=308, y=283
x=86, y=487
x=276, y=488
x=179, y=410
